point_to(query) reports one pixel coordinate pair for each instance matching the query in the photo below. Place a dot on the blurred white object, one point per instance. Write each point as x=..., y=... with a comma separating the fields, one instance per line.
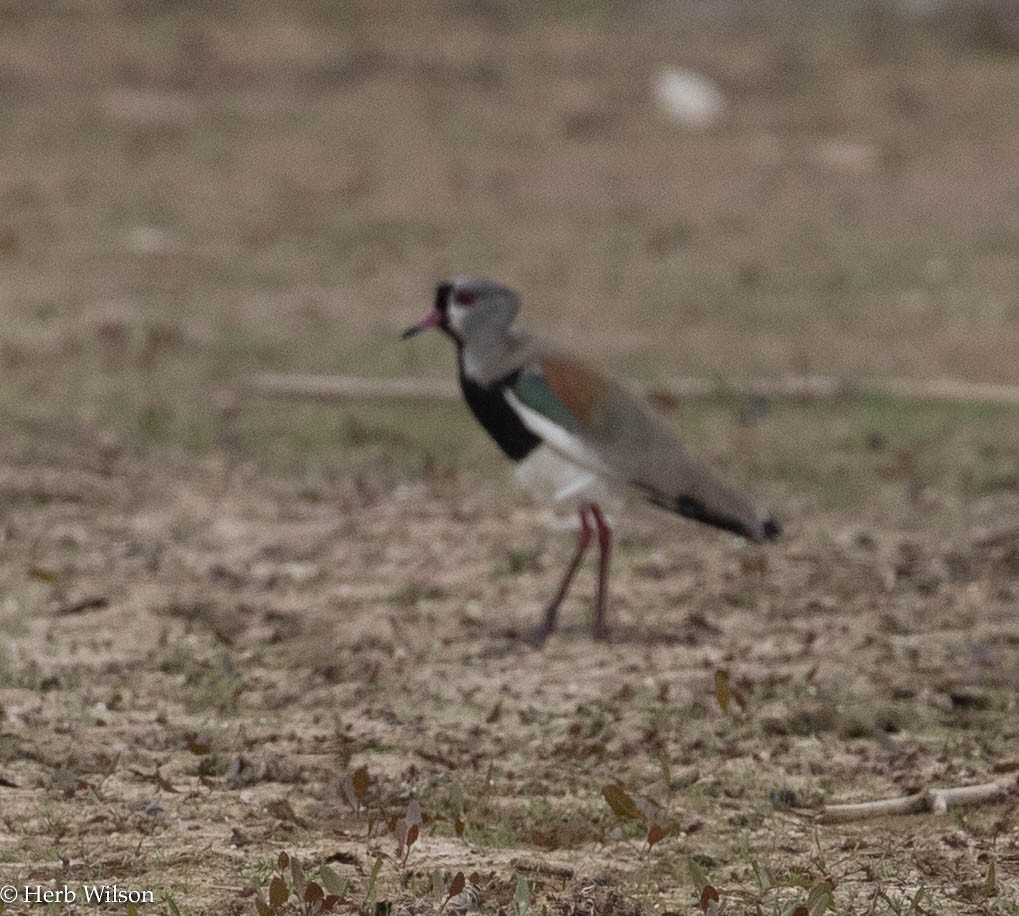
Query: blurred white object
x=848, y=157
x=150, y=240
x=689, y=98
x=142, y=106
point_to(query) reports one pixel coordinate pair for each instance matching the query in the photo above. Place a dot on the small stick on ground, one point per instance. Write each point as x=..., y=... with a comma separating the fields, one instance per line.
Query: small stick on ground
x=338, y=389
x=937, y=801
x=92, y=603
x=541, y=867
x=333, y=389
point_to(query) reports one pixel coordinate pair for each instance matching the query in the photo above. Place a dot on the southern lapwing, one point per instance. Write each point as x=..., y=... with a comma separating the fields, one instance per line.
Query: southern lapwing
x=575, y=431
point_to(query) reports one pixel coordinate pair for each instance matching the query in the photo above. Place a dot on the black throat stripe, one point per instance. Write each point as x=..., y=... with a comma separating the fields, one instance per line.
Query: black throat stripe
x=493, y=412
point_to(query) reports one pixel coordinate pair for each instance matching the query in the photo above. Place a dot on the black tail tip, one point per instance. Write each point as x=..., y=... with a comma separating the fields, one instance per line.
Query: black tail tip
x=771, y=528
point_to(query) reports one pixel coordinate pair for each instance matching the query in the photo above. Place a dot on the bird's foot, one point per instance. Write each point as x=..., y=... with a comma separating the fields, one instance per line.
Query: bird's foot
x=535, y=636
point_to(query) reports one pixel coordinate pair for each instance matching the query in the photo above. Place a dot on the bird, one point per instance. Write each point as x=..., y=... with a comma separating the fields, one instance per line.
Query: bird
x=578, y=431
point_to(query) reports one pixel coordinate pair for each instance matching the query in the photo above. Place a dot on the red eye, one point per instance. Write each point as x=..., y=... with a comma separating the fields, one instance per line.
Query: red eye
x=463, y=297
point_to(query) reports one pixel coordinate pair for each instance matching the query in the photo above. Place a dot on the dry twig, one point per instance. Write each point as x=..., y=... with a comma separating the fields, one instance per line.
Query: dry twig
x=92, y=603
x=937, y=801
x=342, y=388
x=331, y=389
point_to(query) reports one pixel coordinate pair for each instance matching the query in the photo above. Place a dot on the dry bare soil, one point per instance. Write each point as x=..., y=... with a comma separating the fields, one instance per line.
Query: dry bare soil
x=233, y=628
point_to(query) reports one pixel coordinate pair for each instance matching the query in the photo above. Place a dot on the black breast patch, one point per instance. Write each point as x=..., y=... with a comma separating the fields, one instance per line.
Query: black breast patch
x=489, y=405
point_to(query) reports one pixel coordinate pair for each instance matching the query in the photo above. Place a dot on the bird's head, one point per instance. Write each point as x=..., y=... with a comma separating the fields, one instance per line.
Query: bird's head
x=468, y=309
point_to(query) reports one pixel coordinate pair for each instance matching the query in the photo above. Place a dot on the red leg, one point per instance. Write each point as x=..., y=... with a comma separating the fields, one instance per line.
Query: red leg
x=600, y=630
x=583, y=539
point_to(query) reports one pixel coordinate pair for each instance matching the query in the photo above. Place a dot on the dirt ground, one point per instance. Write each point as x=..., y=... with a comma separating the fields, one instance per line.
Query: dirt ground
x=234, y=628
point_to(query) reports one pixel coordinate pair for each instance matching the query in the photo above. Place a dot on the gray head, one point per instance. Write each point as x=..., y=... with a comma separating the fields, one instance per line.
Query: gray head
x=470, y=309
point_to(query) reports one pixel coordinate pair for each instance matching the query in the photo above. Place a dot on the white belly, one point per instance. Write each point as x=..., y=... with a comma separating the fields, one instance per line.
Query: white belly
x=562, y=470
x=552, y=478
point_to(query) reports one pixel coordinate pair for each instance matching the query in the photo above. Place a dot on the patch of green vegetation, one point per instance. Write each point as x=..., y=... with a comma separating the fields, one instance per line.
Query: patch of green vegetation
x=55, y=818
x=525, y=820
x=418, y=441
x=414, y=593
x=844, y=453
x=218, y=690
x=586, y=9
x=513, y=561
x=495, y=834
x=26, y=676
x=207, y=686
x=13, y=626
x=849, y=453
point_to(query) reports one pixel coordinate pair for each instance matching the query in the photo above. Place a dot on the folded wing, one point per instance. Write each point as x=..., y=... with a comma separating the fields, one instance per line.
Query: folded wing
x=598, y=423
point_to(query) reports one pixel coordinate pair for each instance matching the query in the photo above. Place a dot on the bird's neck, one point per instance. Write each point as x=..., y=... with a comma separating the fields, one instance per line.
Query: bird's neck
x=486, y=360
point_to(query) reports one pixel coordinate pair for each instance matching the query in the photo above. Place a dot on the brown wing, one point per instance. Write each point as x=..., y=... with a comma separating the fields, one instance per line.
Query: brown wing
x=639, y=447
x=576, y=385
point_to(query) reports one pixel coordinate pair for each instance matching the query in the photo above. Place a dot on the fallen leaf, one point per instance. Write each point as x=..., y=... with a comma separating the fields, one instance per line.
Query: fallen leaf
x=621, y=803
x=361, y=782
x=278, y=892
x=723, y=692
x=708, y=894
